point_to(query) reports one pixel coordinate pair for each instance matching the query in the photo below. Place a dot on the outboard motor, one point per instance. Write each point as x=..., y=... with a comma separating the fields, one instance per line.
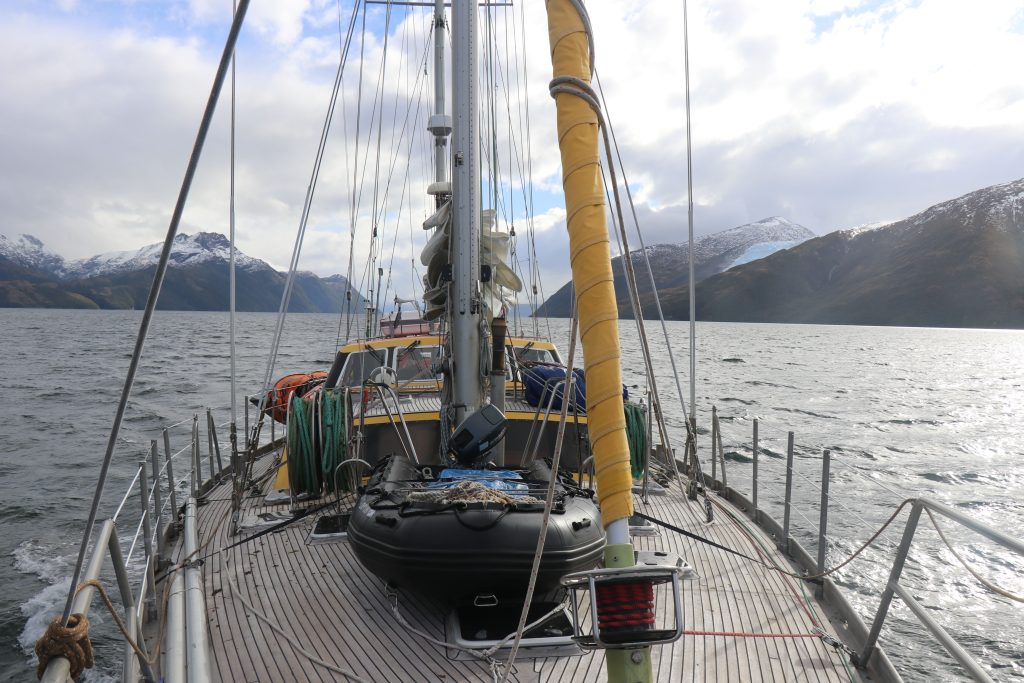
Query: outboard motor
x=477, y=435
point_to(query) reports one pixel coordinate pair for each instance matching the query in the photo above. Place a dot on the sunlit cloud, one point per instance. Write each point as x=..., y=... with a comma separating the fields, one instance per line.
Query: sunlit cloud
x=831, y=113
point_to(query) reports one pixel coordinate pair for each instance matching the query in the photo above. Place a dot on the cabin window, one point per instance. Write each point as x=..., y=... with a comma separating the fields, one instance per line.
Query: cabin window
x=414, y=363
x=533, y=355
x=360, y=364
x=526, y=355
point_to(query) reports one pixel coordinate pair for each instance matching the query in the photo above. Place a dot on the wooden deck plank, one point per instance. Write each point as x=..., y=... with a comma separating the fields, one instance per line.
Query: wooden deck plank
x=328, y=601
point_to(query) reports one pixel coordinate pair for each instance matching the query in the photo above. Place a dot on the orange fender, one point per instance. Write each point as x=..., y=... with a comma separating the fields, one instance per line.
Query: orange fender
x=295, y=384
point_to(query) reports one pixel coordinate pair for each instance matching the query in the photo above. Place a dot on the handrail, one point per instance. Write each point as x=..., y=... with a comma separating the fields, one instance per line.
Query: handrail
x=540, y=406
x=407, y=444
x=893, y=586
x=108, y=544
x=58, y=670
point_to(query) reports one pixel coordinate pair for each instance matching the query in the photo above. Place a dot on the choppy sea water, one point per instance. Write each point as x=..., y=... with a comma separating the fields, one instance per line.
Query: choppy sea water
x=904, y=412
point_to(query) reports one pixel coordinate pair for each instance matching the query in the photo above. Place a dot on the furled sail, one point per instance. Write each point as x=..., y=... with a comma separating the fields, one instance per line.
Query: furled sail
x=590, y=257
x=494, y=252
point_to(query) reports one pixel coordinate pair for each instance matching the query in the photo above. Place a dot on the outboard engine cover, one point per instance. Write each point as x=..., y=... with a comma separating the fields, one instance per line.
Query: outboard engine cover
x=478, y=434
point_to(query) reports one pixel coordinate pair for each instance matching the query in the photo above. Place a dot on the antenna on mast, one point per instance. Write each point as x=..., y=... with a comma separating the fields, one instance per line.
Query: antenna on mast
x=439, y=123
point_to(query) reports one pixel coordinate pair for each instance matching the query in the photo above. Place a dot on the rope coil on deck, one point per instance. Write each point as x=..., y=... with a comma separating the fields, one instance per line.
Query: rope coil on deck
x=470, y=492
x=70, y=642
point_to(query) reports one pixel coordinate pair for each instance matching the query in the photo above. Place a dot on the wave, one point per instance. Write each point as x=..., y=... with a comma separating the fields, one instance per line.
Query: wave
x=762, y=383
x=807, y=412
x=855, y=452
x=949, y=477
x=34, y=558
x=735, y=456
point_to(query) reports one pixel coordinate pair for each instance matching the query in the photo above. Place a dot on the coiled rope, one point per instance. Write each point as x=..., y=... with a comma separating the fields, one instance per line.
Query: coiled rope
x=70, y=642
x=334, y=421
x=636, y=435
x=317, y=441
x=303, y=473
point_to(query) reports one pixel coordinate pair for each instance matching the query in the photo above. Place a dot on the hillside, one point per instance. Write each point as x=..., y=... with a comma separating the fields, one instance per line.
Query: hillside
x=670, y=262
x=957, y=264
x=197, y=279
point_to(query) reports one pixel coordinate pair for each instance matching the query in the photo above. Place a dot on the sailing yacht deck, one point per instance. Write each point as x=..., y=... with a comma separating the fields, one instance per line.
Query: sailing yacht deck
x=334, y=610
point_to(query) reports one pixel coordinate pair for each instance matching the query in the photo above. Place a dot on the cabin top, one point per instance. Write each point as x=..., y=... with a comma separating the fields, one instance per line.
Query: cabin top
x=411, y=360
x=435, y=340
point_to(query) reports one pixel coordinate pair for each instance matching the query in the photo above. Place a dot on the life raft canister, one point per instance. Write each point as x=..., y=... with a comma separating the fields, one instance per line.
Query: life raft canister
x=298, y=383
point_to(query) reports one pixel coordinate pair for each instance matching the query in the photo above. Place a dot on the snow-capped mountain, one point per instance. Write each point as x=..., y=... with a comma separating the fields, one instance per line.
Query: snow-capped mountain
x=714, y=253
x=188, y=250
x=29, y=252
x=999, y=207
x=768, y=231
x=723, y=250
x=959, y=263
x=33, y=276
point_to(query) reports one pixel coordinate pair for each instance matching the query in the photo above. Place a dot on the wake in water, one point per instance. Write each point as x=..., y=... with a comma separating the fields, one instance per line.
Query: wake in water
x=47, y=564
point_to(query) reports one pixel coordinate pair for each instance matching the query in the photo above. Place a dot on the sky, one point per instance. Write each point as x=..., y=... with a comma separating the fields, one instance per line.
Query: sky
x=830, y=113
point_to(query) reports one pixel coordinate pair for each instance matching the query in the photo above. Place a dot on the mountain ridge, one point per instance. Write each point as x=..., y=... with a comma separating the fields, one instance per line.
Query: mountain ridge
x=197, y=279
x=670, y=262
x=959, y=263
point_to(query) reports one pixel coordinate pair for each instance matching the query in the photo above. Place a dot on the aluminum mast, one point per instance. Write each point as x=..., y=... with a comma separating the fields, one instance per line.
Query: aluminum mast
x=464, y=300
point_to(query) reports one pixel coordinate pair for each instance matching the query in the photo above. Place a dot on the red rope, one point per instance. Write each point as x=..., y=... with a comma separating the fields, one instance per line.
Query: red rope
x=785, y=579
x=625, y=604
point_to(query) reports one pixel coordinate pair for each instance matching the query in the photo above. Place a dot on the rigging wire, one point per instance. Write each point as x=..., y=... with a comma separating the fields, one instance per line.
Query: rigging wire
x=569, y=390
x=354, y=202
x=418, y=87
x=231, y=253
x=689, y=219
x=307, y=205
x=538, y=283
x=372, y=314
x=154, y=294
x=346, y=297
x=643, y=246
x=408, y=167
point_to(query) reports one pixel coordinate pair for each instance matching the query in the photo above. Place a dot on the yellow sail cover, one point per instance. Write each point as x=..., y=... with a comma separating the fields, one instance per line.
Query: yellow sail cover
x=590, y=256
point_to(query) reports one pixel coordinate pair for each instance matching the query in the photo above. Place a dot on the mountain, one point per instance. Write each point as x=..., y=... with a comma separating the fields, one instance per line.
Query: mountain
x=29, y=254
x=187, y=251
x=956, y=264
x=670, y=262
x=197, y=279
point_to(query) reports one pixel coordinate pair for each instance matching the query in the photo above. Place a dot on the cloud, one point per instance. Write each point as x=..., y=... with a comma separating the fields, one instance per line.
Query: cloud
x=831, y=113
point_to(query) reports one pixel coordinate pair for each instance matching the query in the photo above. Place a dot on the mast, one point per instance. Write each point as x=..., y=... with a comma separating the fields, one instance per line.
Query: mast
x=464, y=300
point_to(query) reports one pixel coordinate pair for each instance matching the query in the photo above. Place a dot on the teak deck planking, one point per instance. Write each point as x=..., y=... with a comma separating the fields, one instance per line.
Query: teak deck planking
x=338, y=612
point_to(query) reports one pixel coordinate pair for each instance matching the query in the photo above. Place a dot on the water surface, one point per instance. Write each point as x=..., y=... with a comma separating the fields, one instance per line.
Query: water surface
x=904, y=411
